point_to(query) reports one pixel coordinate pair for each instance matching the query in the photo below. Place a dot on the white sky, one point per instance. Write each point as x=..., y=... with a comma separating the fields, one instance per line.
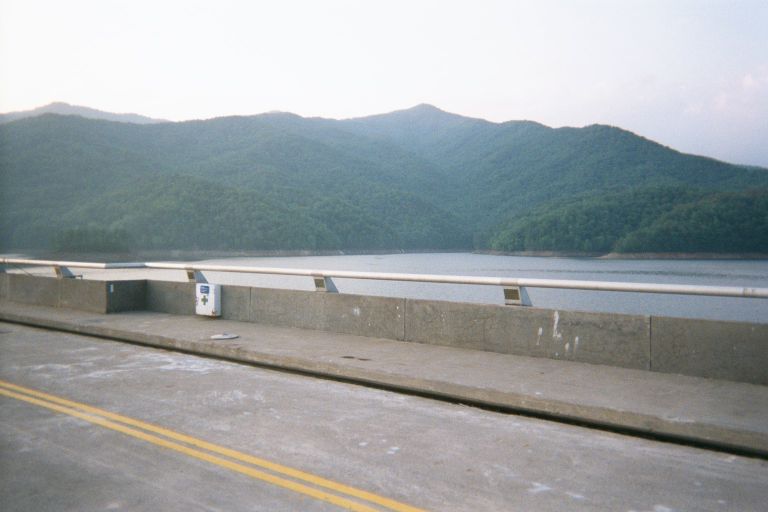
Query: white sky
x=690, y=74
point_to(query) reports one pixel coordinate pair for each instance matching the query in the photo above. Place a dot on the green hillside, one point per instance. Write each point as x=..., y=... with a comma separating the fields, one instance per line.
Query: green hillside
x=656, y=219
x=414, y=179
x=724, y=223
x=507, y=169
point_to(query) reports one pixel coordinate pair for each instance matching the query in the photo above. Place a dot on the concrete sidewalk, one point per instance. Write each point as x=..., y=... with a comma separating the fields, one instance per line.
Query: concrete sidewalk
x=718, y=413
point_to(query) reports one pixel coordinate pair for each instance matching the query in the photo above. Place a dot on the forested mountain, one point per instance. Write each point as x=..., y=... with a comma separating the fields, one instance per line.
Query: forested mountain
x=506, y=169
x=414, y=179
x=654, y=219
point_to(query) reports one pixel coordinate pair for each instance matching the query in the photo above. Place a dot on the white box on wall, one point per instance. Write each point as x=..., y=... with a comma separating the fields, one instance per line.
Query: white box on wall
x=208, y=299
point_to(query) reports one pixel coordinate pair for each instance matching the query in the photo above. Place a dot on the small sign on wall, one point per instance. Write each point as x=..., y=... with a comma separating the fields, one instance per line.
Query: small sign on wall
x=208, y=299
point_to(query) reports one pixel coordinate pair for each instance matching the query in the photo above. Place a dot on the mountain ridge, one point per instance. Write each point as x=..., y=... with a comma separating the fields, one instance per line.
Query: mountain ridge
x=421, y=109
x=416, y=179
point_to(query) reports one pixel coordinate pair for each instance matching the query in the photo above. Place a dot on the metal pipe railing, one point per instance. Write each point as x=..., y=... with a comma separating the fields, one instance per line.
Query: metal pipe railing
x=678, y=289
x=73, y=264
x=721, y=291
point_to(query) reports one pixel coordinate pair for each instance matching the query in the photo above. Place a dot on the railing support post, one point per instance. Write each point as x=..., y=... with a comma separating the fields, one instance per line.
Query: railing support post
x=516, y=296
x=195, y=276
x=324, y=284
x=63, y=272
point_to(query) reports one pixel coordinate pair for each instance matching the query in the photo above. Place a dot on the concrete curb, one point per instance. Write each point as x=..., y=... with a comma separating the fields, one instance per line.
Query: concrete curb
x=690, y=432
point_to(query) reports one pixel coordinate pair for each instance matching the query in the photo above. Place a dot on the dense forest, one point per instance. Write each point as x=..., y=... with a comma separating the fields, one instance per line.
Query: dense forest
x=655, y=219
x=418, y=179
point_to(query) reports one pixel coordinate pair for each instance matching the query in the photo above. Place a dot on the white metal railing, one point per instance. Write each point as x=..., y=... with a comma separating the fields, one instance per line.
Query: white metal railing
x=73, y=264
x=62, y=267
x=323, y=278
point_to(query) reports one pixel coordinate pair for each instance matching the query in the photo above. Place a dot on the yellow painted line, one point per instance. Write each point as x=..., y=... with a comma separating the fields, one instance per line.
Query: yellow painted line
x=272, y=466
x=102, y=417
x=254, y=473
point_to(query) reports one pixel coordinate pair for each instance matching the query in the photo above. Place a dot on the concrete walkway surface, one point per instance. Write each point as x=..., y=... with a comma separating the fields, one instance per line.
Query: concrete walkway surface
x=717, y=413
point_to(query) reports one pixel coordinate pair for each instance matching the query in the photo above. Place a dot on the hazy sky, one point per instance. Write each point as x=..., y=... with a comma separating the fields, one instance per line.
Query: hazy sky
x=690, y=74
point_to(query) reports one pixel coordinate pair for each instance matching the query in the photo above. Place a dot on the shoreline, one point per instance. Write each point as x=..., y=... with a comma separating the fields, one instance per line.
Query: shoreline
x=632, y=255
x=199, y=254
x=684, y=256
x=195, y=255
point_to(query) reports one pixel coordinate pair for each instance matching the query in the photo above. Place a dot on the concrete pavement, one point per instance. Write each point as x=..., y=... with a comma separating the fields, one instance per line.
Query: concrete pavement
x=421, y=453
x=723, y=414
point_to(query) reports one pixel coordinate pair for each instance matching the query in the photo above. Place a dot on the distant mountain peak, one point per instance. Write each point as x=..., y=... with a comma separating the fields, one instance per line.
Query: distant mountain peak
x=423, y=113
x=281, y=113
x=426, y=107
x=66, y=109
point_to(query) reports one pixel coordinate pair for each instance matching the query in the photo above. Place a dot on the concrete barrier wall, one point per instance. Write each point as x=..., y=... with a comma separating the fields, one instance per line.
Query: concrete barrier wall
x=83, y=295
x=176, y=298
x=725, y=350
x=236, y=303
x=126, y=295
x=705, y=348
x=709, y=348
x=379, y=317
x=3, y=285
x=94, y=296
x=599, y=338
x=41, y=291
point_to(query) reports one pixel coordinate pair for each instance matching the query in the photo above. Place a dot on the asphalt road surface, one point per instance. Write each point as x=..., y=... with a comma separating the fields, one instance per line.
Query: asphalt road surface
x=91, y=424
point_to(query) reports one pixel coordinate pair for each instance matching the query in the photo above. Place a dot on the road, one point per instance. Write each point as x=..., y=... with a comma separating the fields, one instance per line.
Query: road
x=92, y=424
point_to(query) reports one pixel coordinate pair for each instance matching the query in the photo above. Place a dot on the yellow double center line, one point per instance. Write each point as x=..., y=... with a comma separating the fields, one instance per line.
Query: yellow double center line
x=298, y=481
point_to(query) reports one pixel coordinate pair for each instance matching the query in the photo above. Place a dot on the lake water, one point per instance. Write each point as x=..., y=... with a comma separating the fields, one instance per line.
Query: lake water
x=742, y=273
